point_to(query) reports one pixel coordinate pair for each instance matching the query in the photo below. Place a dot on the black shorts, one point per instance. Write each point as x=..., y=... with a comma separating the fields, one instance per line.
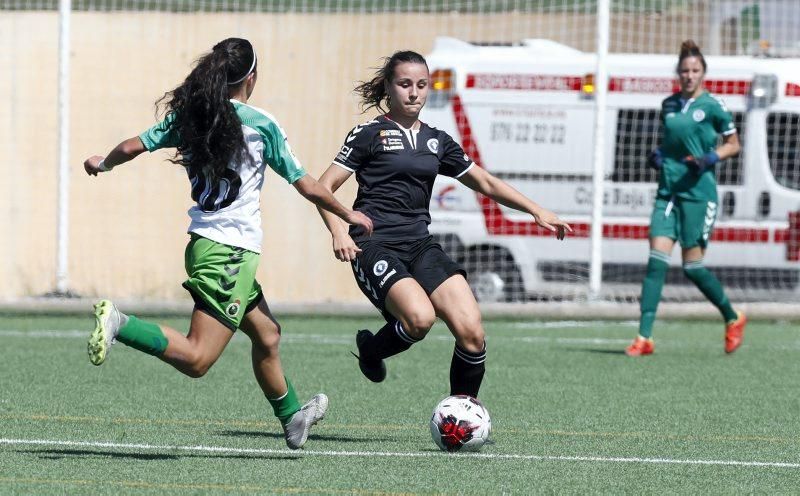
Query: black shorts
x=382, y=263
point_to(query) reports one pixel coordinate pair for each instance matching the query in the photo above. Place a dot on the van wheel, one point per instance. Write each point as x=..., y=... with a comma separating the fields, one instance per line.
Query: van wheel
x=493, y=275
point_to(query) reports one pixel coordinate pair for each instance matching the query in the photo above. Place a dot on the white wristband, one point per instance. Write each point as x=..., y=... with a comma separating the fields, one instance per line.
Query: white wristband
x=102, y=166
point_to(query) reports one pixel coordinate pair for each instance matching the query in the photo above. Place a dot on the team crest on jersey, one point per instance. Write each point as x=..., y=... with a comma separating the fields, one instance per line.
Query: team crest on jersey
x=466, y=158
x=698, y=115
x=433, y=145
x=233, y=308
x=380, y=267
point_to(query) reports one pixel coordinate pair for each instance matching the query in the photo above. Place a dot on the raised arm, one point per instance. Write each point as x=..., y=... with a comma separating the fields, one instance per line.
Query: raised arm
x=123, y=152
x=478, y=179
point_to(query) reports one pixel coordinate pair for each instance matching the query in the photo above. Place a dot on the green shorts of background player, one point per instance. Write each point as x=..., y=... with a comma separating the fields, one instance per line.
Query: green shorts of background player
x=222, y=255
x=686, y=206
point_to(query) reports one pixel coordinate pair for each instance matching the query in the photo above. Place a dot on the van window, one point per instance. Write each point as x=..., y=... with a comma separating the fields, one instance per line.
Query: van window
x=638, y=133
x=783, y=146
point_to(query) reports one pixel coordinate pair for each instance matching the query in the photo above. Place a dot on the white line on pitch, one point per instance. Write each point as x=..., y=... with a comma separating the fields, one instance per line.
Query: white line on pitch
x=386, y=454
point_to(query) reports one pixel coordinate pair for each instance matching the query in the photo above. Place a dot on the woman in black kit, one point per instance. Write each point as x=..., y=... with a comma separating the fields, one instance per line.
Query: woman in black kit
x=403, y=272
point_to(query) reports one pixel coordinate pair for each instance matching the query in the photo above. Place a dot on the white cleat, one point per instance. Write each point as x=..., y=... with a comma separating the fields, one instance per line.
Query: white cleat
x=297, y=428
x=108, y=320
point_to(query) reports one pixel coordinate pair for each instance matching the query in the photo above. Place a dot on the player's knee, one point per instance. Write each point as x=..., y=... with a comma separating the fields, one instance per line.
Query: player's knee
x=472, y=337
x=197, y=368
x=419, y=323
x=268, y=340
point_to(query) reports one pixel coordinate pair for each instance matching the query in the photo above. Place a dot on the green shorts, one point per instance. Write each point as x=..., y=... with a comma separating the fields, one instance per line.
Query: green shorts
x=222, y=279
x=688, y=222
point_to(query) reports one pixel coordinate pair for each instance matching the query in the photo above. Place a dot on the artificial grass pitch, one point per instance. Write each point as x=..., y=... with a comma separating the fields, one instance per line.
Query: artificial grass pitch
x=570, y=412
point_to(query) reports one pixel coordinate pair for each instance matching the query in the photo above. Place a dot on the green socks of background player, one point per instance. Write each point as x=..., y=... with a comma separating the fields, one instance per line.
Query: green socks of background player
x=286, y=405
x=657, y=266
x=710, y=287
x=143, y=335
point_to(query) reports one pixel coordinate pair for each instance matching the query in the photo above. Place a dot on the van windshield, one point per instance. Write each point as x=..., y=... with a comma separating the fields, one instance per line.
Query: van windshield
x=783, y=146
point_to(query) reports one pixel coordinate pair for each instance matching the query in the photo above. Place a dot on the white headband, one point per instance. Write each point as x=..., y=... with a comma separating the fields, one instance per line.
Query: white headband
x=252, y=66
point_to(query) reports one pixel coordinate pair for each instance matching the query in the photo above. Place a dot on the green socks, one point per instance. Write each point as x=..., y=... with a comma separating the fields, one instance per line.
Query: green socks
x=287, y=405
x=143, y=335
x=710, y=287
x=657, y=265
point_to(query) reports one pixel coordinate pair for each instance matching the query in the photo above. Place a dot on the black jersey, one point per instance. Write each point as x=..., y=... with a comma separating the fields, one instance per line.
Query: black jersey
x=395, y=169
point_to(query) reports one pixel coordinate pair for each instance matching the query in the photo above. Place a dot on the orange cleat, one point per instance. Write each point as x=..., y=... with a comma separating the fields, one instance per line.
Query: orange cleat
x=641, y=346
x=734, y=332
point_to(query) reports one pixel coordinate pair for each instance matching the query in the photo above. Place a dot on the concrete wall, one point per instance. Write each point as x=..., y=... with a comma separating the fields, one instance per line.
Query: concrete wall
x=127, y=228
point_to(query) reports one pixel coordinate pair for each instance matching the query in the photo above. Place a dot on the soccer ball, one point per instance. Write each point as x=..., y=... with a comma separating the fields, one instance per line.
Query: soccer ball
x=460, y=423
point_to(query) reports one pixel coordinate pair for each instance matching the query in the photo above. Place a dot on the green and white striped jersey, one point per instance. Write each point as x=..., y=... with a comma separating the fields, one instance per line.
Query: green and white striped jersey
x=229, y=211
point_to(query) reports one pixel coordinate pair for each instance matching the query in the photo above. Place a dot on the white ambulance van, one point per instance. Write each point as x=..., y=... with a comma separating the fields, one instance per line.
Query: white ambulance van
x=526, y=114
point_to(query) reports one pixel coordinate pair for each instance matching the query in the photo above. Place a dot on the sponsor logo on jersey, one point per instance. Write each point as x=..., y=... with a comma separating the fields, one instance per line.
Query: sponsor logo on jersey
x=390, y=132
x=698, y=115
x=433, y=145
x=466, y=158
x=390, y=144
x=386, y=277
x=380, y=267
x=233, y=308
x=344, y=153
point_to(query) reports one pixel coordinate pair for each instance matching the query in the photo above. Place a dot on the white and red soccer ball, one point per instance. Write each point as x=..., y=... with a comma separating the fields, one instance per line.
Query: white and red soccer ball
x=460, y=423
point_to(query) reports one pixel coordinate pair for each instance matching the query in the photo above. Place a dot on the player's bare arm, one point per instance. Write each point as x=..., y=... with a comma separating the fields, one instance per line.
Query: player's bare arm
x=500, y=191
x=344, y=248
x=323, y=198
x=123, y=152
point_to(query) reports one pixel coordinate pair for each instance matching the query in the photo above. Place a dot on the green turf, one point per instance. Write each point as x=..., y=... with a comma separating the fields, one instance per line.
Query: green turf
x=553, y=389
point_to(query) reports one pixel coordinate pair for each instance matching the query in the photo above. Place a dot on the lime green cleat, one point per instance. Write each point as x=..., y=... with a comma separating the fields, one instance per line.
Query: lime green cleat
x=108, y=321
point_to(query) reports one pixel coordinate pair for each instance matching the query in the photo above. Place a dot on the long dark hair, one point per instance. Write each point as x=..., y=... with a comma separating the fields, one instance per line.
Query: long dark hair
x=690, y=49
x=373, y=92
x=209, y=130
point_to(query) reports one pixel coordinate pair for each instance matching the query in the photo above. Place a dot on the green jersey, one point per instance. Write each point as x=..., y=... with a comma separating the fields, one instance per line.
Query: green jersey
x=691, y=127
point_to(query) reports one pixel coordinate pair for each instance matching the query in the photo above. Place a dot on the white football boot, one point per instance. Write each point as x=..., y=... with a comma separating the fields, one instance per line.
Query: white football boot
x=297, y=428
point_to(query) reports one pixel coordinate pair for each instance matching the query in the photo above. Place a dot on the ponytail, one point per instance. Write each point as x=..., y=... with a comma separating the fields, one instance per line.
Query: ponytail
x=373, y=92
x=209, y=131
x=690, y=49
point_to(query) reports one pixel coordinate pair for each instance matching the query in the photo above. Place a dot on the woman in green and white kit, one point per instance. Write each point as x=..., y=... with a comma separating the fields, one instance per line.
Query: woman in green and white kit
x=225, y=145
x=686, y=204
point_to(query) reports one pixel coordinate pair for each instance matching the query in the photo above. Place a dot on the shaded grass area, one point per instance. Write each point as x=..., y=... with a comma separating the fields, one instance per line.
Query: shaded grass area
x=561, y=391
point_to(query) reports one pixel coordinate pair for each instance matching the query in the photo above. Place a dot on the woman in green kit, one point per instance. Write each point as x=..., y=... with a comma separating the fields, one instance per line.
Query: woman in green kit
x=225, y=145
x=686, y=204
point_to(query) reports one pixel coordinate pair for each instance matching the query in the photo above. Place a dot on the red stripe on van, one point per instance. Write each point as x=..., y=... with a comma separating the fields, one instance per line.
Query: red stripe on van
x=792, y=89
x=498, y=224
x=617, y=84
